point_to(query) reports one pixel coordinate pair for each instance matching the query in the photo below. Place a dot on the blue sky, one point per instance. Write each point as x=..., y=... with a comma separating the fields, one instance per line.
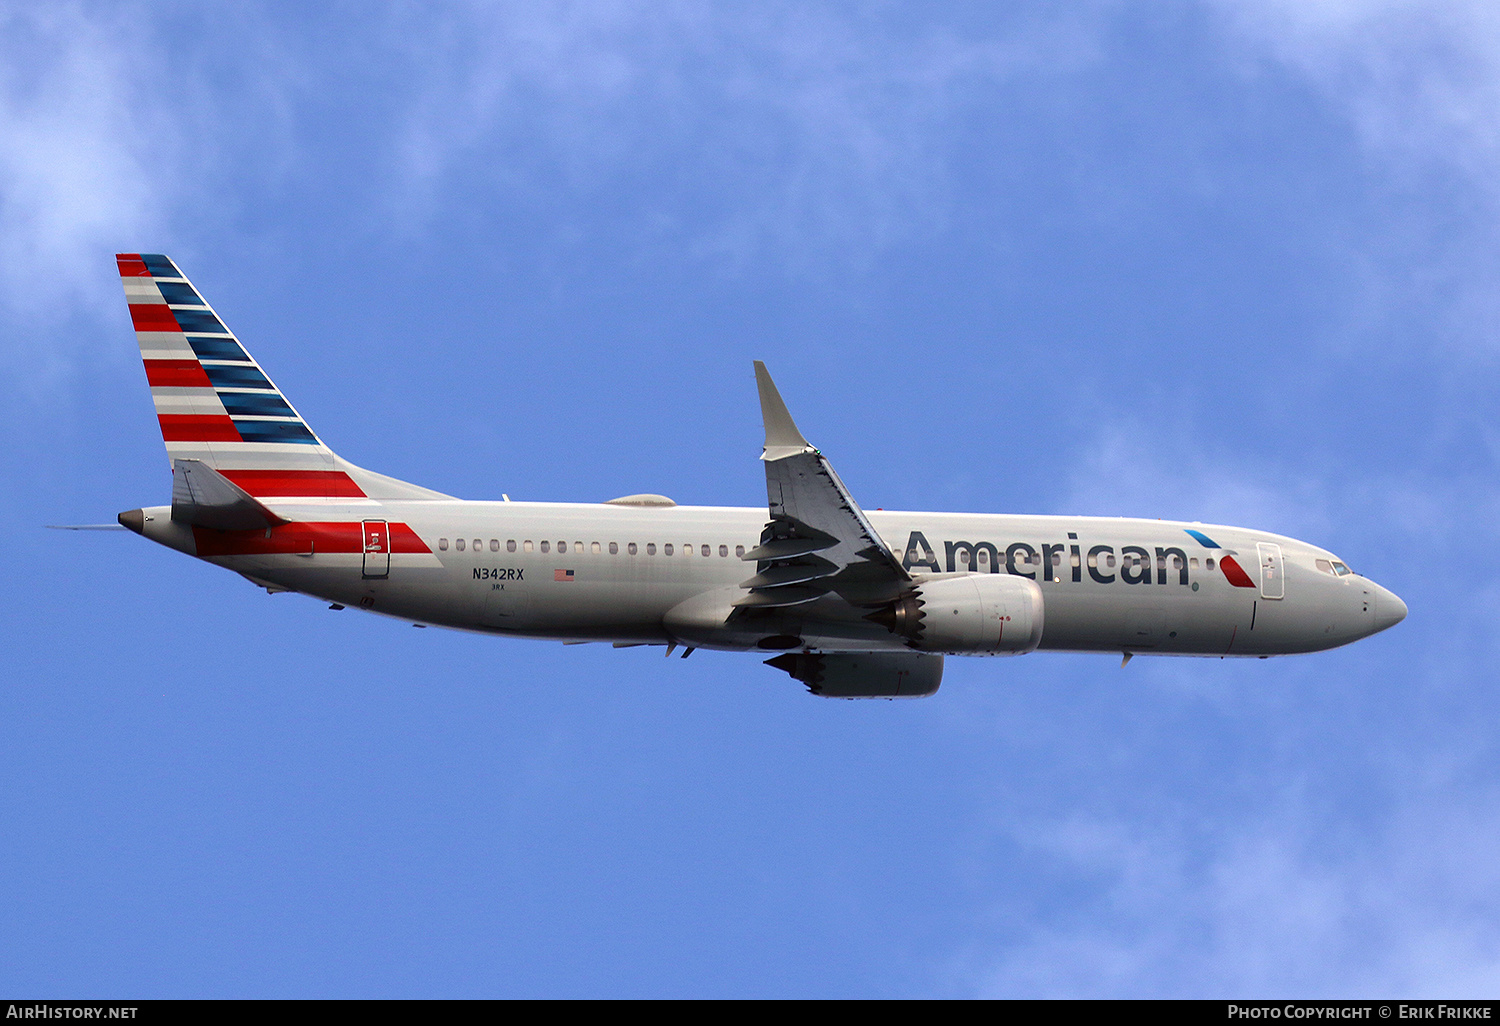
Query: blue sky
x=1226, y=261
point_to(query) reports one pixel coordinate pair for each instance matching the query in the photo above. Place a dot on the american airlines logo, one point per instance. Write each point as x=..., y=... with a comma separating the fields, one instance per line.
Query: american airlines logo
x=1047, y=562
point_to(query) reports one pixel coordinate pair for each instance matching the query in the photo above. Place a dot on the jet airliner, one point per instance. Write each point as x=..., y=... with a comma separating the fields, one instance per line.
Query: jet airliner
x=852, y=603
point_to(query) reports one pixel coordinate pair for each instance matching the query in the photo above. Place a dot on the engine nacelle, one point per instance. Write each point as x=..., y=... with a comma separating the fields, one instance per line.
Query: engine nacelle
x=976, y=614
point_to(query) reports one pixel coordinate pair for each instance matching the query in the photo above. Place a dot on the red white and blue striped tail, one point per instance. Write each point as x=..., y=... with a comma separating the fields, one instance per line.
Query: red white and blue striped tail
x=218, y=406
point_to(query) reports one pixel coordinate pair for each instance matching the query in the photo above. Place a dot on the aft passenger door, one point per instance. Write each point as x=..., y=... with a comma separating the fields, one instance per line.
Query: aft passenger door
x=377, y=548
x=1272, y=582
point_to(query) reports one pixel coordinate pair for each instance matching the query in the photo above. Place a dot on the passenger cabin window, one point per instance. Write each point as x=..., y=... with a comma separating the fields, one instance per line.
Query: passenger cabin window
x=707, y=551
x=459, y=545
x=478, y=544
x=631, y=548
x=510, y=546
x=526, y=545
x=1193, y=562
x=739, y=550
x=1208, y=563
x=614, y=548
x=494, y=544
x=546, y=547
x=651, y=549
x=442, y=544
x=594, y=548
x=723, y=551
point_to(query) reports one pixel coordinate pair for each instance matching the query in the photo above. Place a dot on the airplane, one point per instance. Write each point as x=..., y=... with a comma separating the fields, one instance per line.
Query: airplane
x=851, y=603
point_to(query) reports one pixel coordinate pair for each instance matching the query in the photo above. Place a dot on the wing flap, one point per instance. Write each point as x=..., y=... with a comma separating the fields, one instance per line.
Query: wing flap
x=780, y=596
x=795, y=571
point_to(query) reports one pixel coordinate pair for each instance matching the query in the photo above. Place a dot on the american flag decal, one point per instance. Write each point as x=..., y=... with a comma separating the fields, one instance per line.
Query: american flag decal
x=562, y=575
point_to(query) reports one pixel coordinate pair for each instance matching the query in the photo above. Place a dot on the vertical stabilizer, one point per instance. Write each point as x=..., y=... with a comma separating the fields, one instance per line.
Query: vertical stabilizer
x=218, y=407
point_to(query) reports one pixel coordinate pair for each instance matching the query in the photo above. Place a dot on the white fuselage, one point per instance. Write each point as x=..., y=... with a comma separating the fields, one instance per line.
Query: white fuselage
x=661, y=575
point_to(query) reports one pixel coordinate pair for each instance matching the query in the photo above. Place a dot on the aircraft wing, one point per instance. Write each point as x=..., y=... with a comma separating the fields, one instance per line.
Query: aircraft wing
x=817, y=540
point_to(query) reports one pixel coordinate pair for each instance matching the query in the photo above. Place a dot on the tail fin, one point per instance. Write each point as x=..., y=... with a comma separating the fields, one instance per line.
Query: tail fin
x=217, y=406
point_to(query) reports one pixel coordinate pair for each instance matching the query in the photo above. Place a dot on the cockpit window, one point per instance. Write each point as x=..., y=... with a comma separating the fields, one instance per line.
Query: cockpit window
x=1325, y=566
x=1341, y=569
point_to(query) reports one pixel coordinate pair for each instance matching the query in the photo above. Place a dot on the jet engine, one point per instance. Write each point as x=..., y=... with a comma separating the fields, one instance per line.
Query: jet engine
x=975, y=614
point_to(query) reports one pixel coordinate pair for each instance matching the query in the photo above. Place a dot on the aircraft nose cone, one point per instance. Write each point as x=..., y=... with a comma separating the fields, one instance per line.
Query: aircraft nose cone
x=1389, y=609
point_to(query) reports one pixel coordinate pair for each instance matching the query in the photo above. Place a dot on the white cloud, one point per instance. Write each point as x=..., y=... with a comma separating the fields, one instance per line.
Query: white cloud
x=1270, y=906
x=1419, y=85
x=84, y=155
x=1418, y=78
x=793, y=126
x=1129, y=470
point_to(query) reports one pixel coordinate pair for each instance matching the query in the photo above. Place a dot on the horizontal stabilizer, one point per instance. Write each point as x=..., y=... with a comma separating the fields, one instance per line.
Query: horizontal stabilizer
x=203, y=497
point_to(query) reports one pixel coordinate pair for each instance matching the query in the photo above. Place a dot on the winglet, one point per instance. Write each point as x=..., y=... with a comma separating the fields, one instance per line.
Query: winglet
x=782, y=437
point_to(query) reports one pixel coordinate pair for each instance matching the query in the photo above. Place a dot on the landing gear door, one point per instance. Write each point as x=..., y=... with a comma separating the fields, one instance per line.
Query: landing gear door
x=377, y=546
x=1272, y=570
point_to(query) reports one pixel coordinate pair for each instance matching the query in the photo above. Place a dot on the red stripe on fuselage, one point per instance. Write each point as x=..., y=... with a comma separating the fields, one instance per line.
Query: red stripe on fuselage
x=194, y=427
x=1235, y=572
x=301, y=539
x=153, y=317
x=131, y=265
x=333, y=484
x=177, y=374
